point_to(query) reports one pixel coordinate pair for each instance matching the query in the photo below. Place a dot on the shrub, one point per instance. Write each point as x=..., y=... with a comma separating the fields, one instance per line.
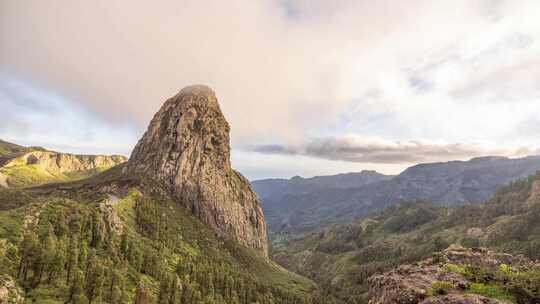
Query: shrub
x=441, y=287
x=470, y=242
x=454, y=268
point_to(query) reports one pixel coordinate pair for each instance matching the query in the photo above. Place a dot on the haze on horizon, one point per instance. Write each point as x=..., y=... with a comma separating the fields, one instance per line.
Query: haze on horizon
x=309, y=87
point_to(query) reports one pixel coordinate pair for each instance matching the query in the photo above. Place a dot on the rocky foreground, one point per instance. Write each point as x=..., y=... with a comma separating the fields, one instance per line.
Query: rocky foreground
x=459, y=275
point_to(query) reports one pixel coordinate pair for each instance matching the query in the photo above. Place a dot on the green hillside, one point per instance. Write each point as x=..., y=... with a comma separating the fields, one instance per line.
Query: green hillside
x=30, y=166
x=9, y=148
x=342, y=258
x=119, y=239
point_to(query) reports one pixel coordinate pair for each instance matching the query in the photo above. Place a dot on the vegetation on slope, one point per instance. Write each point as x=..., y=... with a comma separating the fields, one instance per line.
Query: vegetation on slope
x=63, y=246
x=30, y=166
x=9, y=148
x=342, y=258
x=33, y=175
x=460, y=275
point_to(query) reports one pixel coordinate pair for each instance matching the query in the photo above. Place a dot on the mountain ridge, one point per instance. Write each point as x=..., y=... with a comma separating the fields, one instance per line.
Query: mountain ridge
x=445, y=183
x=29, y=166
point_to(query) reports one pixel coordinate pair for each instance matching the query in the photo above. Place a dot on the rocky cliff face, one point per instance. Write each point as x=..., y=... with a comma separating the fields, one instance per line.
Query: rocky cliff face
x=186, y=148
x=63, y=162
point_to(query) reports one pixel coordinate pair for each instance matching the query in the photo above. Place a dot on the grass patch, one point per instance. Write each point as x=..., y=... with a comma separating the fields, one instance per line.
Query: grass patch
x=27, y=175
x=495, y=291
x=24, y=175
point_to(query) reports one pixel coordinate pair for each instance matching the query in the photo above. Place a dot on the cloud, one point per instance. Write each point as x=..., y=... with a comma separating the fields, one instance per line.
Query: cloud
x=284, y=70
x=123, y=59
x=354, y=148
x=279, y=67
x=36, y=117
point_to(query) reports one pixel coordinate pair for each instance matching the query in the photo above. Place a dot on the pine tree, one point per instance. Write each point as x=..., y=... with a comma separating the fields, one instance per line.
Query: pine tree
x=123, y=296
x=142, y=295
x=96, y=236
x=115, y=283
x=60, y=226
x=47, y=254
x=164, y=290
x=124, y=242
x=83, y=255
x=77, y=285
x=57, y=264
x=72, y=258
x=27, y=251
x=94, y=281
x=174, y=295
x=116, y=295
x=80, y=299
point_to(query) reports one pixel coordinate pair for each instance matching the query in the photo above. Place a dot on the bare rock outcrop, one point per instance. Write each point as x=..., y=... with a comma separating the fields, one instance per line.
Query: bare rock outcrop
x=110, y=217
x=9, y=293
x=408, y=284
x=64, y=162
x=462, y=299
x=186, y=148
x=3, y=180
x=442, y=278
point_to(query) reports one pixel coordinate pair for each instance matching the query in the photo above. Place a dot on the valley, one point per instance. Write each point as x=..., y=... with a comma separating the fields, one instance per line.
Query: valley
x=269, y=152
x=175, y=224
x=342, y=258
x=73, y=231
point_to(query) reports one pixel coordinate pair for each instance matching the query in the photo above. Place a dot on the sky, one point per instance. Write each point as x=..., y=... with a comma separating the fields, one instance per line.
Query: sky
x=309, y=87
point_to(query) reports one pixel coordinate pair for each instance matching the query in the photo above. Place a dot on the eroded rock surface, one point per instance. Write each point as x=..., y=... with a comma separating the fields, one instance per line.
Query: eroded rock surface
x=9, y=293
x=110, y=216
x=37, y=167
x=462, y=299
x=186, y=148
x=3, y=181
x=64, y=162
x=417, y=283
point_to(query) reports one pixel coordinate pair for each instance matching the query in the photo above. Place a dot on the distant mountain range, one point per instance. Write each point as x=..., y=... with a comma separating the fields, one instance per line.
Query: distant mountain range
x=304, y=204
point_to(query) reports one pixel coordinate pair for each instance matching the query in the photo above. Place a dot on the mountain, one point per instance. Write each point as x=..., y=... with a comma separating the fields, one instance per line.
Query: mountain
x=175, y=224
x=300, y=209
x=186, y=148
x=29, y=166
x=277, y=189
x=342, y=258
x=277, y=193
